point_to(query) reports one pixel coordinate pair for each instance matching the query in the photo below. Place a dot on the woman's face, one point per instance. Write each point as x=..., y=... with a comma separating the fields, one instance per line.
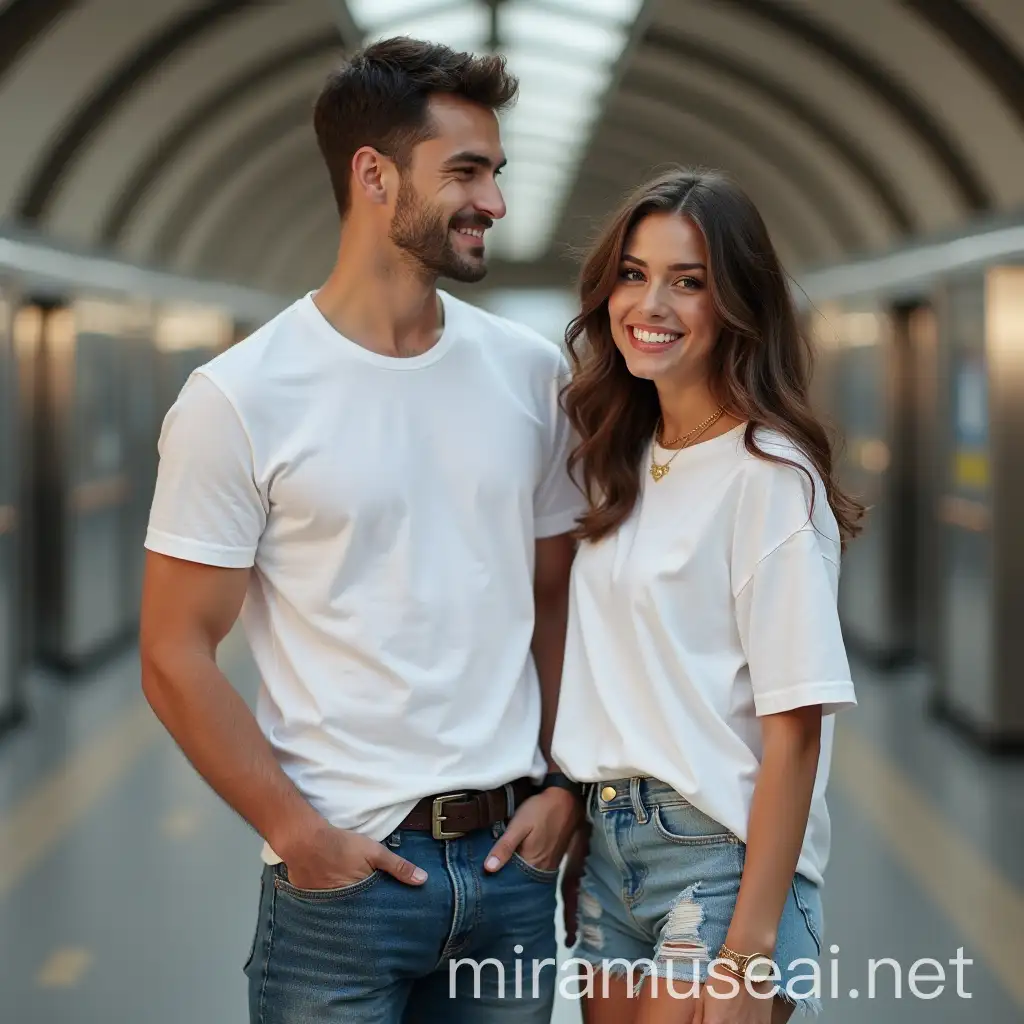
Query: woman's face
x=660, y=311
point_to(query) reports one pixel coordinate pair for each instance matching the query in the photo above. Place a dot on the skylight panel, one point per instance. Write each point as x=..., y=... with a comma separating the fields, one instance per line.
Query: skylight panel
x=370, y=13
x=463, y=26
x=525, y=24
x=621, y=11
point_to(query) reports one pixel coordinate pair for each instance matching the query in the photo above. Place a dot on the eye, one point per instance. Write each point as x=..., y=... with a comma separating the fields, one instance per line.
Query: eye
x=691, y=283
x=626, y=274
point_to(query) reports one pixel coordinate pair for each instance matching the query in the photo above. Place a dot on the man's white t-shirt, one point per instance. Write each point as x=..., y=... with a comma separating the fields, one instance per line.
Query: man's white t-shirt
x=712, y=605
x=390, y=507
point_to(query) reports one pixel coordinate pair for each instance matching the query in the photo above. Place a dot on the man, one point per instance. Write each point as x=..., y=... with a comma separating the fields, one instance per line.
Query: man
x=375, y=481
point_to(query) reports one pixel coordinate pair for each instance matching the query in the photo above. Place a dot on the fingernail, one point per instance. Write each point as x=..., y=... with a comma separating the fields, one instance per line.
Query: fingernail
x=419, y=875
x=492, y=863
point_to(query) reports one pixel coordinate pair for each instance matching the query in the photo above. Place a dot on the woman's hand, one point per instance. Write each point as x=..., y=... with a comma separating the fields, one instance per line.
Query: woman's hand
x=576, y=858
x=724, y=999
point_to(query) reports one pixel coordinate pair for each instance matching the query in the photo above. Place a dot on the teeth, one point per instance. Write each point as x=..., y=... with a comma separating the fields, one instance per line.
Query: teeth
x=650, y=338
x=474, y=232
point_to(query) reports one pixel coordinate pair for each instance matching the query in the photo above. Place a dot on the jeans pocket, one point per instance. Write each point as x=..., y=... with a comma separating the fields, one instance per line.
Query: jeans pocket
x=534, y=872
x=282, y=884
x=259, y=921
x=684, y=825
x=808, y=900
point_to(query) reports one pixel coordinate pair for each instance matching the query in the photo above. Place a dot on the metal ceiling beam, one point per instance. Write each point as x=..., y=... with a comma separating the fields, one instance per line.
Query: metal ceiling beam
x=206, y=185
x=979, y=44
x=22, y=23
x=849, y=151
x=915, y=116
x=67, y=146
x=650, y=86
x=348, y=30
x=295, y=169
x=218, y=105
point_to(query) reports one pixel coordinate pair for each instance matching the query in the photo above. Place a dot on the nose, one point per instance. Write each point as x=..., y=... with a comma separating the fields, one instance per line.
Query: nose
x=490, y=201
x=652, y=304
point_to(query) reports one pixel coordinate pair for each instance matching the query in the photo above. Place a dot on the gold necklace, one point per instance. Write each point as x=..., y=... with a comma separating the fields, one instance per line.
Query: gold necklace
x=659, y=470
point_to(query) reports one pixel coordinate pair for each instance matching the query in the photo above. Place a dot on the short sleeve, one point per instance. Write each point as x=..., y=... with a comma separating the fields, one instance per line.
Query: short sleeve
x=558, y=502
x=789, y=626
x=206, y=505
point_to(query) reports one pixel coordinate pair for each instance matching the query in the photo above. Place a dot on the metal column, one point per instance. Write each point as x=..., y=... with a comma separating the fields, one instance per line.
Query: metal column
x=864, y=383
x=11, y=650
x=82, y=483
x=980, y=550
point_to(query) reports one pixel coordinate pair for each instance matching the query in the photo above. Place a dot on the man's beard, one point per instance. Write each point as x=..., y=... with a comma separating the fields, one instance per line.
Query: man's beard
x=423, y=233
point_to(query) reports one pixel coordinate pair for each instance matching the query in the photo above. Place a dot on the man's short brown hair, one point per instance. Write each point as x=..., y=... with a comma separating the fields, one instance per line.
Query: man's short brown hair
x=380, y=98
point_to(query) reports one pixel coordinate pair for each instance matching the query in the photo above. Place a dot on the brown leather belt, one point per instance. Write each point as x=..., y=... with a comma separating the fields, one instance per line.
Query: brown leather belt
x=451, y=815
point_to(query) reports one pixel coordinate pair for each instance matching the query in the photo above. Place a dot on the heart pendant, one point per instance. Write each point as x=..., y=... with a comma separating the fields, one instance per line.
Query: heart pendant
x=658, y=471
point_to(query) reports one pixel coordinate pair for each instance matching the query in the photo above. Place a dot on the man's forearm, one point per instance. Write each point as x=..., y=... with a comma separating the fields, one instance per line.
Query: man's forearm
x=548, y=651
x=219, y=735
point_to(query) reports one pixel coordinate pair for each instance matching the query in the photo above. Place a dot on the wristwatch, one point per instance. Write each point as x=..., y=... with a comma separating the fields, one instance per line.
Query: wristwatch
x=755, y=966
x=562, y=781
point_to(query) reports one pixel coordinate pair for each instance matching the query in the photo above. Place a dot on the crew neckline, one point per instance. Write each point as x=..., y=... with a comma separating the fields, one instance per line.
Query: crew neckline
x=701, y=447
x=436, y=352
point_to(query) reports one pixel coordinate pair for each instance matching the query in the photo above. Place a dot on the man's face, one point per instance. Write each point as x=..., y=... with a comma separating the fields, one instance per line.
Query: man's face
x=449, y=196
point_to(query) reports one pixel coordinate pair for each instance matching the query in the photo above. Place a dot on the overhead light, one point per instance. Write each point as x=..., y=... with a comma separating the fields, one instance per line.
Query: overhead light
x=564, y=53
x=461, y=25
x=617, y=10
x=369, y=13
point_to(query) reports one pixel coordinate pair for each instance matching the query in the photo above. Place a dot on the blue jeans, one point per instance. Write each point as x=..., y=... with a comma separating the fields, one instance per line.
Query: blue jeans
x=658, y=893
x=460, y=948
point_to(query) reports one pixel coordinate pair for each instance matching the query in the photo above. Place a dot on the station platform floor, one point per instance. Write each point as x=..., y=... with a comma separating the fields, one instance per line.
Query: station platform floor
x=128, y=891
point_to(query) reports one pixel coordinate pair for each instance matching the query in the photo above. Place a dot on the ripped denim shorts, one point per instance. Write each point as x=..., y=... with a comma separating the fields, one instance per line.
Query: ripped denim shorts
x=658, y=894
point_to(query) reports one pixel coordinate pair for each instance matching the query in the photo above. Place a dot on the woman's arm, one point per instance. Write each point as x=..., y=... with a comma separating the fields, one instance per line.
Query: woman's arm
x=778, y=822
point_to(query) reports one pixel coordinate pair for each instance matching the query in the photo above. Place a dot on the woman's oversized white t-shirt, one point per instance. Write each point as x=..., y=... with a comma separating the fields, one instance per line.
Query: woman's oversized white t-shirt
x=712, y=605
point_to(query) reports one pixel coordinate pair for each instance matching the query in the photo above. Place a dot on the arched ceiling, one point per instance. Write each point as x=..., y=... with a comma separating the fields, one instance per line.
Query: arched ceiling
x=177, y=132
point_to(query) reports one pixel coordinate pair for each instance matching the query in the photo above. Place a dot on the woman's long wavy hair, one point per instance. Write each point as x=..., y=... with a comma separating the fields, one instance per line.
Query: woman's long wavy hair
x=759, y=367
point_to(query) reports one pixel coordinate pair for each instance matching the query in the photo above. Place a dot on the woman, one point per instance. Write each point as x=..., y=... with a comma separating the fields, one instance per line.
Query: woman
x=704, y=657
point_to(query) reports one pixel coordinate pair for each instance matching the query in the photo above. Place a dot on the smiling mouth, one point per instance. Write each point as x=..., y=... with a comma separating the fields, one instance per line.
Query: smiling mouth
x=654, y=337
x=475, y=233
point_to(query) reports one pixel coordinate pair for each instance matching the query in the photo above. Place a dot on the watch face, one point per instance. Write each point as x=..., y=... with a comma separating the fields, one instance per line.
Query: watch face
x=760, y=970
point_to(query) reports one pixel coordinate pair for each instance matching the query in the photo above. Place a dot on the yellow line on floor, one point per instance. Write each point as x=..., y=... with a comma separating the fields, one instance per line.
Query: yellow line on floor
x=56, y=804
x=64, y=969
x=66, y=796
x=985, y=907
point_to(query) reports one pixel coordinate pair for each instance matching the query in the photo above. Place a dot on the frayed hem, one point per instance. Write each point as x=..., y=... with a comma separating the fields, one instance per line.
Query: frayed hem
x=674, y=978
x=687, y=978
x=807, y=1006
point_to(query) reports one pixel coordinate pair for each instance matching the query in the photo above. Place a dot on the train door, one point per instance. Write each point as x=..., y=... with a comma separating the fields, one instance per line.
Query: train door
x=141, y=431
x=11, y=652
x=872, y=414
x=979, y=551
x=83, y=485
x=916, y=328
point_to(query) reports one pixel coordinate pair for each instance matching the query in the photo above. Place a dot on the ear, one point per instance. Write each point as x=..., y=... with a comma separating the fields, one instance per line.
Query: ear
x=370, y=175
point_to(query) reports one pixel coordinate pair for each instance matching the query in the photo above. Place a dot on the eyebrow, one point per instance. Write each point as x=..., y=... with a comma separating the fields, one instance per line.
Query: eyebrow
x=478, y=159
x=676, y=267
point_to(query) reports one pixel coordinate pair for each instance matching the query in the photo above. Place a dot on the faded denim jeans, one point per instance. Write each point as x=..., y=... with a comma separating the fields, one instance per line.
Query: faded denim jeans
x=385, y=952
x=658, y=893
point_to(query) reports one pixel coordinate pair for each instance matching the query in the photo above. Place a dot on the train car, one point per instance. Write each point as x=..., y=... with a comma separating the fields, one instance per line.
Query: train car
x=102, y=350
x=11, y=651
x=921, y=369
